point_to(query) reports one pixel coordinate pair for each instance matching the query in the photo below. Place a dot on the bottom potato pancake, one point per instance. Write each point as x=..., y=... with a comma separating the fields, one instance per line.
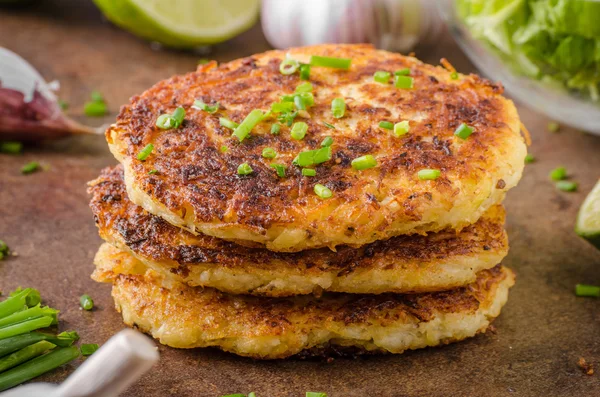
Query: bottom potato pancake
x=269, y=328
x=402, y=264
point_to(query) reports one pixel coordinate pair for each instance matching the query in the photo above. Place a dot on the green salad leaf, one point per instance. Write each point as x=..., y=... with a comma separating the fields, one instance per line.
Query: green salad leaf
x=555, y=41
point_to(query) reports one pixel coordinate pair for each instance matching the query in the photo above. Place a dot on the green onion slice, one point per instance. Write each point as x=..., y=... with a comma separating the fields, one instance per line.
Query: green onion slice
x=312, y=157
x=299, y=102
x=304, y=87
x=331, y=62
x=251, y=120
x=587, y=290
x=364, y=162
x=558, y=174
x=328, y=141
x=308, y=172
x=178, y=115
x=387, y=125
x=382, y=77
x=401, y=128
x=145, y=152
x=323, y=191
x=428, y=174
x=30, y=167
x=298, y=131
x=269, y=153
x=280, y=169
x=225, y=122
x=87, y=349
x=282, y=107
x=566, y=186
x=304, y=72
x=454, y=76
x=288, y=66
x=11, y=147
x=244, y=169
x=529, y=158
x=275, y=128
x=200, y=105
x=86, y=302
x=402, y=72
x=95, y=109
x=404, y=82
x=338, y=108
x=463, y=131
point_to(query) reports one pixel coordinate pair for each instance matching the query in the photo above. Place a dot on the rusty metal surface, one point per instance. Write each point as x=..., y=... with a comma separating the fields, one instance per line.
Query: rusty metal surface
x=44, y=217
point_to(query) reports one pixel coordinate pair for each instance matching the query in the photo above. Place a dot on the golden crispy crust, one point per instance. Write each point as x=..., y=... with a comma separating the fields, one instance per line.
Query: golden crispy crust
x=260, y=327
x=401, y=264
x=197, y=186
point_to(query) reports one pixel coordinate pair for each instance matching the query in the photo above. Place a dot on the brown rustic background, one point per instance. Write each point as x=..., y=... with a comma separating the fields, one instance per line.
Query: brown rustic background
x=541, y=334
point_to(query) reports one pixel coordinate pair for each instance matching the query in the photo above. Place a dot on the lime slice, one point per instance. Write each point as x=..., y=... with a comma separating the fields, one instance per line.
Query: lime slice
x=182, y=23
x=588, y=220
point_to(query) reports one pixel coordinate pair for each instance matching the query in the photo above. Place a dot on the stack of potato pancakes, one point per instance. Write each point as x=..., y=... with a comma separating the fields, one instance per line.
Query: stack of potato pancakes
x=327, y=198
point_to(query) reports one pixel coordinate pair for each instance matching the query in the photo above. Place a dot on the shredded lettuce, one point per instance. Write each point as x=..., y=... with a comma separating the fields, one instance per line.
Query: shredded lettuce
x=555, y=41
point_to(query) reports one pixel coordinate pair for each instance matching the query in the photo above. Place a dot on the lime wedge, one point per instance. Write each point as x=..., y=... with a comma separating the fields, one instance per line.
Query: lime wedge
x=588, y=220
x=182, y=23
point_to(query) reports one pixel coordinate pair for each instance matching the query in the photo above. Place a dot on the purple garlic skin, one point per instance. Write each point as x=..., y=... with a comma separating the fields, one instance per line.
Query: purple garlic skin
x=36, y=120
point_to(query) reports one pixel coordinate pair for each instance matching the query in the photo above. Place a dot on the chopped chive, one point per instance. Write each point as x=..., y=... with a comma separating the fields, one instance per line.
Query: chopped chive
x=298, y=131
x=364, y=162
x=287, y=118
x=304, y=72
x=269, y=153
x=86, y=302
x=251, y=394
x=331, y=62
x=87, y=349
x=96, y=96
x=404, y=82
x=304, y=87
x=200, y=105
x=338, y=107
x=402, y=72
x=323, y=191
x=299, y=102
x=224, y=149
x=225, y=122
x=275, y=128
x=282, y=107
x=328, y=141
x=288, y=66
x=244, y=169
x=553, y=126
x=587, y=290
x=401, y=128
x=30, y=167
x=566, y=186
x=387, y=125
x=64, y=105
x=558, y=174
x=280, y=169
x=428, y=174
x=251, y=120
x=38, y=366
x=95, y=109
x=454, y=76
x=382, y=77
x=312, y=157
x=165, y=122
x=463, y=131
x=529, y=158
x=203, y=61
x=308, y=172
x=315, y=394
x=152, y=172
x=178, y=115
x=11, y=147
x=329, y=125
x=145, y=152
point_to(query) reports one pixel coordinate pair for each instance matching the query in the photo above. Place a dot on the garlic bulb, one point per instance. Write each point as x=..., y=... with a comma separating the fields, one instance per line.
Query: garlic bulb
x=395, y=25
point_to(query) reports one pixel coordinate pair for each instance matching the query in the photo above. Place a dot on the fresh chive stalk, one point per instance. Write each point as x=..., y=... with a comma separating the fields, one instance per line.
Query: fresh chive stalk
x=26, y=326
x=25, y=354
x=587, y=290
x=331, y=62
x=38, y=366
x=14, y=343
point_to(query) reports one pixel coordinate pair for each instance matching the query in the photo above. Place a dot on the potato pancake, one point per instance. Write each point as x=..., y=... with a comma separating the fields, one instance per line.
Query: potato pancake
x=421, y=177
x=401, y=264
x=268, y=328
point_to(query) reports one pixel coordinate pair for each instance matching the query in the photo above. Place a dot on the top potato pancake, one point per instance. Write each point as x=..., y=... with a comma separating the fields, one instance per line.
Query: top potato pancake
x=196, y=185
